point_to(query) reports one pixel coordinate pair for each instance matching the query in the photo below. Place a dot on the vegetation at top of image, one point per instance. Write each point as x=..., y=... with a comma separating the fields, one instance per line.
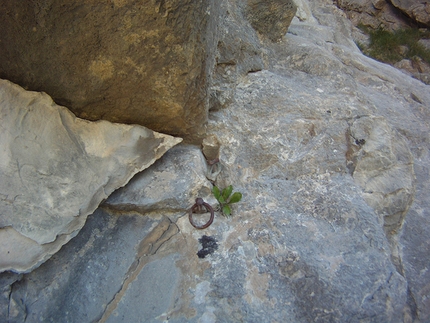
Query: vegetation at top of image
x=225, y=198
x=392, y=47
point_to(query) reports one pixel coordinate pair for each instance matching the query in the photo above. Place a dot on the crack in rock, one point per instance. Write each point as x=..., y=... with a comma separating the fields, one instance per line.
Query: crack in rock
x=149, y=246
x=381, y=163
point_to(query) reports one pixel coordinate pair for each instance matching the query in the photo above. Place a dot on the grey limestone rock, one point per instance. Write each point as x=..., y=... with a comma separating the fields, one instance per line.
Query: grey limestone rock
x=245, y=26
x=173, y=184
x=89, y=271
x=56, y=169
x=239, y=51
x=331, y=152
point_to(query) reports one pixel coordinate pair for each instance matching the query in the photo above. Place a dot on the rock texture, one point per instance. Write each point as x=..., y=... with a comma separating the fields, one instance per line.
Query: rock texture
x=415, y=67
x=389, y=15
x=417, y=10
x=271, y=18
x=55, y=170
x=244, y=29
x=380, y=161
x=331, y=152
x=171, y=185
x=374, y=13
x=123, y=60
x=384, y=15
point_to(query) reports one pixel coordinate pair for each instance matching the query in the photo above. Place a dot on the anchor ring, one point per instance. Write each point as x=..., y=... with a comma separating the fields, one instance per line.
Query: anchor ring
x=198, y=207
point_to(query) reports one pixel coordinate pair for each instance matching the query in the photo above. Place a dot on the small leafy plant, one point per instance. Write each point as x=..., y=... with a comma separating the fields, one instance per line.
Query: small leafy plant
x=226, y=198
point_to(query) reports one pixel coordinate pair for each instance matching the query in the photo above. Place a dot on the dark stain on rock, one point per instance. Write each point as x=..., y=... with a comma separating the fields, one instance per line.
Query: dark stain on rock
x=209, y=245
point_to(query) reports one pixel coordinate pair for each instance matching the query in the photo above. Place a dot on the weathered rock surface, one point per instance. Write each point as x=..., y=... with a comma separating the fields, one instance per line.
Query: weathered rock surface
x=171, y=185
x=415, y=67
x=382, y=14
x=211, y=148
x=271, y=18
x=380, y=161
x=331, y=152
x=374, y=13
x=123, y=60
x=244, y=29
x=55, y=169
x=425, y=43
x=238, y=52
x=417, y=10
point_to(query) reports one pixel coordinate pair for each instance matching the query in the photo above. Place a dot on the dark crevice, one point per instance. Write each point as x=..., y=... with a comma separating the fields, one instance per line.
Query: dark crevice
x=412, y=306
x=117, y=209
x=21, y=315
x=254, y=70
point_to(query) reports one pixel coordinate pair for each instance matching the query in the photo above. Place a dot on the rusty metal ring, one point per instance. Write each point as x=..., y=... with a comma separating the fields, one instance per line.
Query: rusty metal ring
x=199, y=203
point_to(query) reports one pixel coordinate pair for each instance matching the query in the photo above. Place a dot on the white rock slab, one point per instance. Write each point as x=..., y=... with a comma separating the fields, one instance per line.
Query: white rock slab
x=55, y=169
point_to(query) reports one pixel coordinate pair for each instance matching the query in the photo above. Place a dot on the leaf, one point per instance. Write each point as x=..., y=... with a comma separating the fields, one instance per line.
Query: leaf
x=236, y=197
x=221, y=200
x=216, y=192
x=227, y=192
x=226, y=211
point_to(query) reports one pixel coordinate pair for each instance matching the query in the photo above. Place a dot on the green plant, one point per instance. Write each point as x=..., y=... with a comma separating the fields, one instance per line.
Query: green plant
x=225, y=198
x=391, y=47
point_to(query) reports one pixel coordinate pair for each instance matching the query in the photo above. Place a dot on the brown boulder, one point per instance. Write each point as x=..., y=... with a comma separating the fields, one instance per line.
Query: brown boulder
x=271, y=18
x=127, y=61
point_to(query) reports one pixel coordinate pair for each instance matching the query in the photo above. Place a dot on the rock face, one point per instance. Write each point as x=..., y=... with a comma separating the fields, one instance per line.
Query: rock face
x=417, y=10
x=123, y=60
x=416, y=67
x=244, y=29
x=380, y=161
x=271, y=18
x=55, y=170
x=374, y=13
x=238, y=52
x=172, y=185
x=385, y=15
x=331, y=152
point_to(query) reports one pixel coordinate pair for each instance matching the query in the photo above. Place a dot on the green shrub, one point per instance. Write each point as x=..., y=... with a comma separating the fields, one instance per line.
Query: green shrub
x=391, y=47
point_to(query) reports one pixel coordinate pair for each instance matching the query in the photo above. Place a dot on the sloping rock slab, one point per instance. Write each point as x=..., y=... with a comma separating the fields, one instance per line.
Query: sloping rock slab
x=55, y=169
x=93, y=266
x=174, y=183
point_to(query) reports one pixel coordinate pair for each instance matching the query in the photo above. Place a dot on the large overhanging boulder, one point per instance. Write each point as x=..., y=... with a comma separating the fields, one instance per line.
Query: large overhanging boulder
x=55, y=169
x=128, y=61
